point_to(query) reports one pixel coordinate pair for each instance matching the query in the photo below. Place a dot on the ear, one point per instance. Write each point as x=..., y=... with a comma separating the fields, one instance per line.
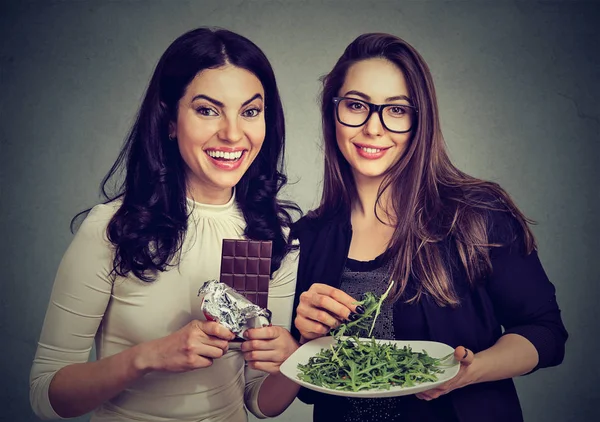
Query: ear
x=172, y=130
x=172, y=123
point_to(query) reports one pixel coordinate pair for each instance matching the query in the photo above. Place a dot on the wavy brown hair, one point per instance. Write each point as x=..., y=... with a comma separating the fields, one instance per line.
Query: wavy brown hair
x=438, y=201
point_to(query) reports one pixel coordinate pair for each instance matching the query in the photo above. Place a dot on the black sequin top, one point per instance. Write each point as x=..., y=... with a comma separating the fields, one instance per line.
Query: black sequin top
x=358, y=278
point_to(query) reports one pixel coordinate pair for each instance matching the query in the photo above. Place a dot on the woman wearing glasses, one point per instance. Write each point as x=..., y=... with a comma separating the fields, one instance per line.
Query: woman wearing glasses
x=461, y=254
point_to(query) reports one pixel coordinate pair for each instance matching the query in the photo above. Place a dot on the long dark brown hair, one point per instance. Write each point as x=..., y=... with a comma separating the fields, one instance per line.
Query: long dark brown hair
x=432, y=200
x=149, y=227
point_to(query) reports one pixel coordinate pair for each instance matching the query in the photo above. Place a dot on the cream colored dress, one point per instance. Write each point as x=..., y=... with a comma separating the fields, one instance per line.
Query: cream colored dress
x=87, y=305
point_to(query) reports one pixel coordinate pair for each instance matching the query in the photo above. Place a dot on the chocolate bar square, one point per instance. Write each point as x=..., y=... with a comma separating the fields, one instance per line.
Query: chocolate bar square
x=246, y=267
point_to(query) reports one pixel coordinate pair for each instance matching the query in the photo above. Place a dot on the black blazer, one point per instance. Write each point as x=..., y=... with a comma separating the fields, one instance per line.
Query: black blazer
x=517, y=298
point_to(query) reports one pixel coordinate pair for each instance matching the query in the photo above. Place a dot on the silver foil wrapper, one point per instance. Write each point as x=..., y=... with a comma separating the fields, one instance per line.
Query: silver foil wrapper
x=223, y=304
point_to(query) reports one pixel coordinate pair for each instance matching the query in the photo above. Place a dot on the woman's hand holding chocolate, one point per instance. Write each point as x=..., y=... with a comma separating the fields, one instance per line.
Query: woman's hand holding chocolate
x=193, y=346
x=267, y=348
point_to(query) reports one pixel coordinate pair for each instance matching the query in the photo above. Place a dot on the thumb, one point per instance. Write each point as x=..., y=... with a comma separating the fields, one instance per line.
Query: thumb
x=197, y=324
x=463, y=355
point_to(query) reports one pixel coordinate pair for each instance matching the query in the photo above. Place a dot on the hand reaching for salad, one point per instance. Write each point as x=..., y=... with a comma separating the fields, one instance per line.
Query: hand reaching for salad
x=323, y=308
x=466, y=375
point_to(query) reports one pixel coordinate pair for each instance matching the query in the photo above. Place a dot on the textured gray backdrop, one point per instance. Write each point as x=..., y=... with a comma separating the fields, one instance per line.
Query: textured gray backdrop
x=518, y=91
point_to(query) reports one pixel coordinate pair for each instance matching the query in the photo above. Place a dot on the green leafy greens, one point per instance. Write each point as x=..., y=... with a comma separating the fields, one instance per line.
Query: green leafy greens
x=352, y=364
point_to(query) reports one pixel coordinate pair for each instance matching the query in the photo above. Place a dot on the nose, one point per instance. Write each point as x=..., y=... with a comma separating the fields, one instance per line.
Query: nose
x=373, y=126
x=230, y=130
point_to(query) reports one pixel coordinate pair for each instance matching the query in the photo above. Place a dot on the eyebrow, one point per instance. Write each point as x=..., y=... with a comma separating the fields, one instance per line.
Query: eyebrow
x=367, y=98
x=220, y=104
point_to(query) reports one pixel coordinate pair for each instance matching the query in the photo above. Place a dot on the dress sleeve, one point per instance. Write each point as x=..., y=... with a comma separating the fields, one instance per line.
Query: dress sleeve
x=524, y=299
x=281, y=301
x=79, y=298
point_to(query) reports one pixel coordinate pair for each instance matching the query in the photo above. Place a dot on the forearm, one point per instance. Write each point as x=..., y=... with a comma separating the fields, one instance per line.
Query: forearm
x=79, y=388
x=511, y=356
x=276, y=393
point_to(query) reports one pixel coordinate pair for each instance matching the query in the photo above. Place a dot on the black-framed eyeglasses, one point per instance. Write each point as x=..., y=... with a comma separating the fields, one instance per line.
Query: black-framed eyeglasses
x=397, y=118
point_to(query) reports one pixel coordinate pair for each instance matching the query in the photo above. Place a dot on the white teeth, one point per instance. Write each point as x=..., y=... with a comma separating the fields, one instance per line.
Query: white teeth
x=370, y=150
x=225, y=155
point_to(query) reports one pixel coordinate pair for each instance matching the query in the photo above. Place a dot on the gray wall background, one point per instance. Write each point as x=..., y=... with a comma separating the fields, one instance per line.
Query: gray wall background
x=518, y=91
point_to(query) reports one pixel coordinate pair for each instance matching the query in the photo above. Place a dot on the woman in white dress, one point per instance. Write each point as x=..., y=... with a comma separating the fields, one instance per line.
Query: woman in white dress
x=202, y=163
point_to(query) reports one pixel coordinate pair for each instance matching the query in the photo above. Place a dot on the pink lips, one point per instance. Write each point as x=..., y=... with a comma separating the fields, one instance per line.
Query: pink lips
x=360, y=148
x=227, y=165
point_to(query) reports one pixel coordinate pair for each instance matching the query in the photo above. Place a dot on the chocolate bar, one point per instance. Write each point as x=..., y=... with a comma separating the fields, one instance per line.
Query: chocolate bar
x=246, y=267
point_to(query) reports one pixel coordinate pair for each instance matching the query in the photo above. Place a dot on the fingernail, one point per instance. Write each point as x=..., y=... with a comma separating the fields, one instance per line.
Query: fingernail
x=466, y=353
x=360, y=309
x=353, y=316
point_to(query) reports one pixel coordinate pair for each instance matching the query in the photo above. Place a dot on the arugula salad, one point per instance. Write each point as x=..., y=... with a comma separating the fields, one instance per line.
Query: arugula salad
x=355, y=364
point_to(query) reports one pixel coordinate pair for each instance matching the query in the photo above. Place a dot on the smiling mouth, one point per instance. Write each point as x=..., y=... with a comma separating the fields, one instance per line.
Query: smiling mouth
x=226, y=156
x=371, y=150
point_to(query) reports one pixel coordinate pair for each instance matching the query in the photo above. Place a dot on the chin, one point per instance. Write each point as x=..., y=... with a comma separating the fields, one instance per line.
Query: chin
x=370, y=173
x=227, y=183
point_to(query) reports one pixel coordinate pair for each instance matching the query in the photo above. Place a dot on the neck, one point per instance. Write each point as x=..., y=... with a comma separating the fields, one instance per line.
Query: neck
x=206, y=194
x=367, y=189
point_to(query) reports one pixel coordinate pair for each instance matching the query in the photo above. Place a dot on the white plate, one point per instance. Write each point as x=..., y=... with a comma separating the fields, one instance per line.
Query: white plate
x=437, y=350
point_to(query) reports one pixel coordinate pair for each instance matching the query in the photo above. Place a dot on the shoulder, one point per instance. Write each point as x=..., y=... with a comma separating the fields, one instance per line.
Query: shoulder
x=97, y=220
x=104, y=212
x=503, y=222
x=90, y=249
x=307, y=224
x=313, y=223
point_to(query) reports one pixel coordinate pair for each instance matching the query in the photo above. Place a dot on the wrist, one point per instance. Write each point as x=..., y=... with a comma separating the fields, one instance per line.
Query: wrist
x=477, y=369
x=140, y=361
x=282, y=380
